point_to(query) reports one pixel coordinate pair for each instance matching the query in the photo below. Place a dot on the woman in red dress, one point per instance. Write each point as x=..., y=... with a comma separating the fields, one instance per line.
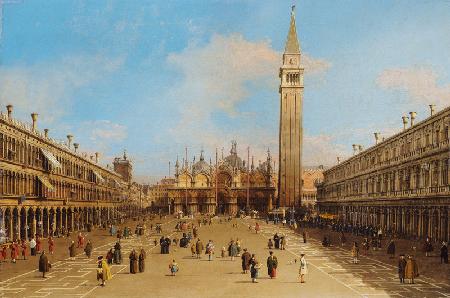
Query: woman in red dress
x=24, y=249
x=4, y=252
x=51, y=245
x=12, y=247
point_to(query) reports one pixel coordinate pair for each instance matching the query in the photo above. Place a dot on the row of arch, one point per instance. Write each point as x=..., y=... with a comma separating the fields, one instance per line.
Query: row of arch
x=17, y=222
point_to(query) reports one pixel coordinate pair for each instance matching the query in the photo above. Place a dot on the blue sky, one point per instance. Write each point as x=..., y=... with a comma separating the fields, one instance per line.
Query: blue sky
x=156, y=76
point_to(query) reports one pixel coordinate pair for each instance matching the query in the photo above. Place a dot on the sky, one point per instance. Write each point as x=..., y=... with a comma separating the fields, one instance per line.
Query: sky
x=154, y=77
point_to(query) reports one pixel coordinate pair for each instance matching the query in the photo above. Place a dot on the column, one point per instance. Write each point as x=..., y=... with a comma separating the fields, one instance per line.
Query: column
x=10, y=224
x=26, y=224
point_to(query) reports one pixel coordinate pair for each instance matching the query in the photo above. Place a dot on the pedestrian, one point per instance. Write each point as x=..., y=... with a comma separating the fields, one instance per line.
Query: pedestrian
x=72, y=250
x=223, y=252
x=355, y=252
x=133, y=262
x=117, y=253
x=391, y=249
x=80, y=243
x=4, y=253
x=88, y=249
x=193, y=249
x=233, y=250
x=254, y=268
x=401, y=268
x=51, y=245
x=245, y=261
x=142, y=257
x=427, y=247
x=276, y=240
x=24, y=249
x=272, y=264
x=38, y=244
x=210, y=249
x=44, y=265
x=283, y=242
x=103, y=271
x=444, y=253
x=303, y=268
x=342, y=239
x=162, y=244
x=110, y=256
x=173, y=267
x=32, y=246
x=257, y=228
x=199, y=248
x=304, y=236
x=12, y=247
x=270, y=244
x=411, y=269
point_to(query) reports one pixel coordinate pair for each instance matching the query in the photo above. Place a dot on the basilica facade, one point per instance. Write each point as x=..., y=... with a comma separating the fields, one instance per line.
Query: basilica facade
x=224, y=187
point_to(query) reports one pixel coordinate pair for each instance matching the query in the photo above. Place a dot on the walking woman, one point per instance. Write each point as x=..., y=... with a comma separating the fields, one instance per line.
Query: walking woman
x=142, y=257
x=254, y=268
x=303, y=268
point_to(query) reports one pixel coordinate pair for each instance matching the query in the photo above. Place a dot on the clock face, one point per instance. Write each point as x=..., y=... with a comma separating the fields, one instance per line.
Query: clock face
x=292, y=61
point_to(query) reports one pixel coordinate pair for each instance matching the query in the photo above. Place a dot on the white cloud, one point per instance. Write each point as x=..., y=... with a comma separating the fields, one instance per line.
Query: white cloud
x=216, y=78
x=420, y=83
x=322, y=150
x=215, y=75
x=105, y=130
x=47, y=88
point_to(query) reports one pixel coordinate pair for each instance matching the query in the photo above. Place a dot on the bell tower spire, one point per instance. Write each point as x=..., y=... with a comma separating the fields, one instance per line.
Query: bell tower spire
x=291, y=128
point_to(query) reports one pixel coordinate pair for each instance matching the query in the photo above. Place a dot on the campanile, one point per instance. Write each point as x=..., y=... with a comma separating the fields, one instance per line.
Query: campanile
x=291, y=128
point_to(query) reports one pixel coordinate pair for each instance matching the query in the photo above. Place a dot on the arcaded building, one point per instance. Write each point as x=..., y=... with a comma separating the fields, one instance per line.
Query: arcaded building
x=224, y=188
x=47, y=185
x=401, y=183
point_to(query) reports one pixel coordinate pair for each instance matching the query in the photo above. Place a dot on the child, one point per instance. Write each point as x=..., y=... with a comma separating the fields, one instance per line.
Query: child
x=223, y=252
x=173, y=267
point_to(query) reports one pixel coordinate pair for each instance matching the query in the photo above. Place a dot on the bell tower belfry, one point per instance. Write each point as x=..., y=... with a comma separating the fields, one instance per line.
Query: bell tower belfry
x=291, y=118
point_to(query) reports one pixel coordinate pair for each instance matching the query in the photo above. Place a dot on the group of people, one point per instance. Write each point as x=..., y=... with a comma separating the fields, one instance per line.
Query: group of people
x=279, y=242
x=137, y=261
x=23, y=248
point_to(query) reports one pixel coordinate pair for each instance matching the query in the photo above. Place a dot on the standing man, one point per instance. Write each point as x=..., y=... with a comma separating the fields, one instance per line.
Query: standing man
x=33, y=246
x=401, y=268
x=444, y=253
x=142, y=256
x=276, y=240
x=133, y=262
x=411, y=269
x=210, y=249
x=304, y=236
x=303, y=268
x=88, y=249
x=199, y=248
x=72, y=250
x=51, y=245
x=44, y=265
x=272, y=264
x=391, y=248
x=245, y=261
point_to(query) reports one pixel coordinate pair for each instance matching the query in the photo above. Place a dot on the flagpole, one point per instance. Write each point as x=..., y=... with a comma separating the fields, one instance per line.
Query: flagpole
x=248, y=180
x=186, y=192
x=217, y=189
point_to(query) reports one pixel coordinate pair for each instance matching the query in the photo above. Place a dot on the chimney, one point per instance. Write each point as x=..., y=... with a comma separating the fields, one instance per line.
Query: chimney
x=432, y=109
x=75, y=146
x=34, y=118
x=405, y=122
x=338, y=160
x=9, y=108
x=412, y=116
x=377, y=137
x=360, y=148
x=96, y=157
x=46, y=133
x=69, y=140
x=355, y=149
